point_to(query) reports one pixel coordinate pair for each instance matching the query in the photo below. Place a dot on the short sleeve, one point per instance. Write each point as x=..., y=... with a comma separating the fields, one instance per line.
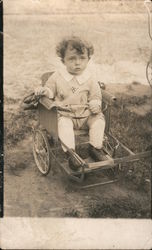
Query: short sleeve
x=51, y=83
x=95, y=92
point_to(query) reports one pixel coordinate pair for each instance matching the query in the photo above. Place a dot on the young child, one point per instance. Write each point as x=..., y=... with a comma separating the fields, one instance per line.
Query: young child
x=73, y=85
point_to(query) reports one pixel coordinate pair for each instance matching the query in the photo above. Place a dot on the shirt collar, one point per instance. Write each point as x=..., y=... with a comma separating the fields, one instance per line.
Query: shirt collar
x=80, y=78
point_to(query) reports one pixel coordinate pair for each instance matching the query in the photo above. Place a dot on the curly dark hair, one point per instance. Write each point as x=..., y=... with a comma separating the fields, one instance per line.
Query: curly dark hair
x=74, y=43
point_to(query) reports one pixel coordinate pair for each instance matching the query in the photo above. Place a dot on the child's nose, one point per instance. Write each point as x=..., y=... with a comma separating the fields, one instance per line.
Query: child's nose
x=77, y=62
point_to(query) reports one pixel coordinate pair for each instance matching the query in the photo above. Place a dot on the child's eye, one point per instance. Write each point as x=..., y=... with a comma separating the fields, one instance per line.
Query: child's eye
x=72, y=58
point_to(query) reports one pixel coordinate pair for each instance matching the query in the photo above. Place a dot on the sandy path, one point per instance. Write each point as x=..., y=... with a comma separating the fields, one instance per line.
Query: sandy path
x=54, y=195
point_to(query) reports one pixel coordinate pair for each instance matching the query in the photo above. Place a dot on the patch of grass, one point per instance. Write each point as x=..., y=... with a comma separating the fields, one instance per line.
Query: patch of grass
x=72, y=212
x=126, y=100
x=135, y=132
x=130, y=128
x=118, y=208
x=17, y=126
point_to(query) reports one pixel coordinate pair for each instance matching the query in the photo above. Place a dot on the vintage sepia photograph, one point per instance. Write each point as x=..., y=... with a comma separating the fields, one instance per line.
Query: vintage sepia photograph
x=77, y=109
x=77, y=98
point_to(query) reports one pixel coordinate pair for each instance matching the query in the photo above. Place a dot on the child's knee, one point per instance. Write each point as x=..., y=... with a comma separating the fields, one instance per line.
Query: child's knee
x=65, y=122
x=98, y=126
x=97, y=122
x=96, y=133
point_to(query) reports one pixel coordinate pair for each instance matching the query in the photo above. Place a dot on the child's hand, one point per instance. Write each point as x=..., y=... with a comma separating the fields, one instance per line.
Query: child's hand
x=41, y=91
x=94, y=106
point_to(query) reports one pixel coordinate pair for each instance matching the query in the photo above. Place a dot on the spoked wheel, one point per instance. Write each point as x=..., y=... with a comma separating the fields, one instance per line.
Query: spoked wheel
x=41, y=151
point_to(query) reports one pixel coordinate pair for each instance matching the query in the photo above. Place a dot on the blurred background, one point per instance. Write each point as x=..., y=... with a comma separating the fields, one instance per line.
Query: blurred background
x=118, y=30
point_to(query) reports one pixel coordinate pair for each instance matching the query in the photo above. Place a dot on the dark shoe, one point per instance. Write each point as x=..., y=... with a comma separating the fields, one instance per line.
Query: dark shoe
x=73, y=164
x=96, y=154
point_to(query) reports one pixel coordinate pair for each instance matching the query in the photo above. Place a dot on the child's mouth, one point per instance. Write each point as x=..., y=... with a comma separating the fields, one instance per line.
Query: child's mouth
x=77, y=69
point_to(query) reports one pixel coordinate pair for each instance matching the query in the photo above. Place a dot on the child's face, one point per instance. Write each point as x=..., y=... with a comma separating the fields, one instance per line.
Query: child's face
x=74, y=62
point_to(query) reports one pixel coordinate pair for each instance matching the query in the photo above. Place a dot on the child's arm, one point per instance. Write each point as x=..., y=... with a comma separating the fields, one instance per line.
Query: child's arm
x=95, y=106
x=44, y=91
x=95, y=98
x=48, y=90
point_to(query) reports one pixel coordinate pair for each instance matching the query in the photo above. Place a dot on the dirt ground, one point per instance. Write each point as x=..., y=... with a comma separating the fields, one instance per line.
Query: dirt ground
x=121, y=54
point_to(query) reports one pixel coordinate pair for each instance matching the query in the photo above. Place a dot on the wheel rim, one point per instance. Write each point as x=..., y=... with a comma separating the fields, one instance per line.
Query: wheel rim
x=41, y=151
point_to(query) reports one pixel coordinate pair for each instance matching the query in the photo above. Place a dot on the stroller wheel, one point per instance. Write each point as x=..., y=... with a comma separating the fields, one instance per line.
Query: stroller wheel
x=41, y=151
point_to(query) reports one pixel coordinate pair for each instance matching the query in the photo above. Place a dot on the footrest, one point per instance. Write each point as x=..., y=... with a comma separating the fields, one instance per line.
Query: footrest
x=90, y=166
x=102, y=164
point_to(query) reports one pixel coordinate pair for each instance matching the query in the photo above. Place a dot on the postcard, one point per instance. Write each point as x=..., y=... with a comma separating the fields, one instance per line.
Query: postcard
x=76, y=124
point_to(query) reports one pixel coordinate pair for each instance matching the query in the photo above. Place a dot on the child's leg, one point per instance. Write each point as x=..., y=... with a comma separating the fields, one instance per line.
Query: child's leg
x=96, y=125
x=66, y=132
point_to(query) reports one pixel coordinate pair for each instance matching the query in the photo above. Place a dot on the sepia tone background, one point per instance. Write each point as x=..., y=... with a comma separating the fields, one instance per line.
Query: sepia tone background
x=118, y=30
x=119, y=33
